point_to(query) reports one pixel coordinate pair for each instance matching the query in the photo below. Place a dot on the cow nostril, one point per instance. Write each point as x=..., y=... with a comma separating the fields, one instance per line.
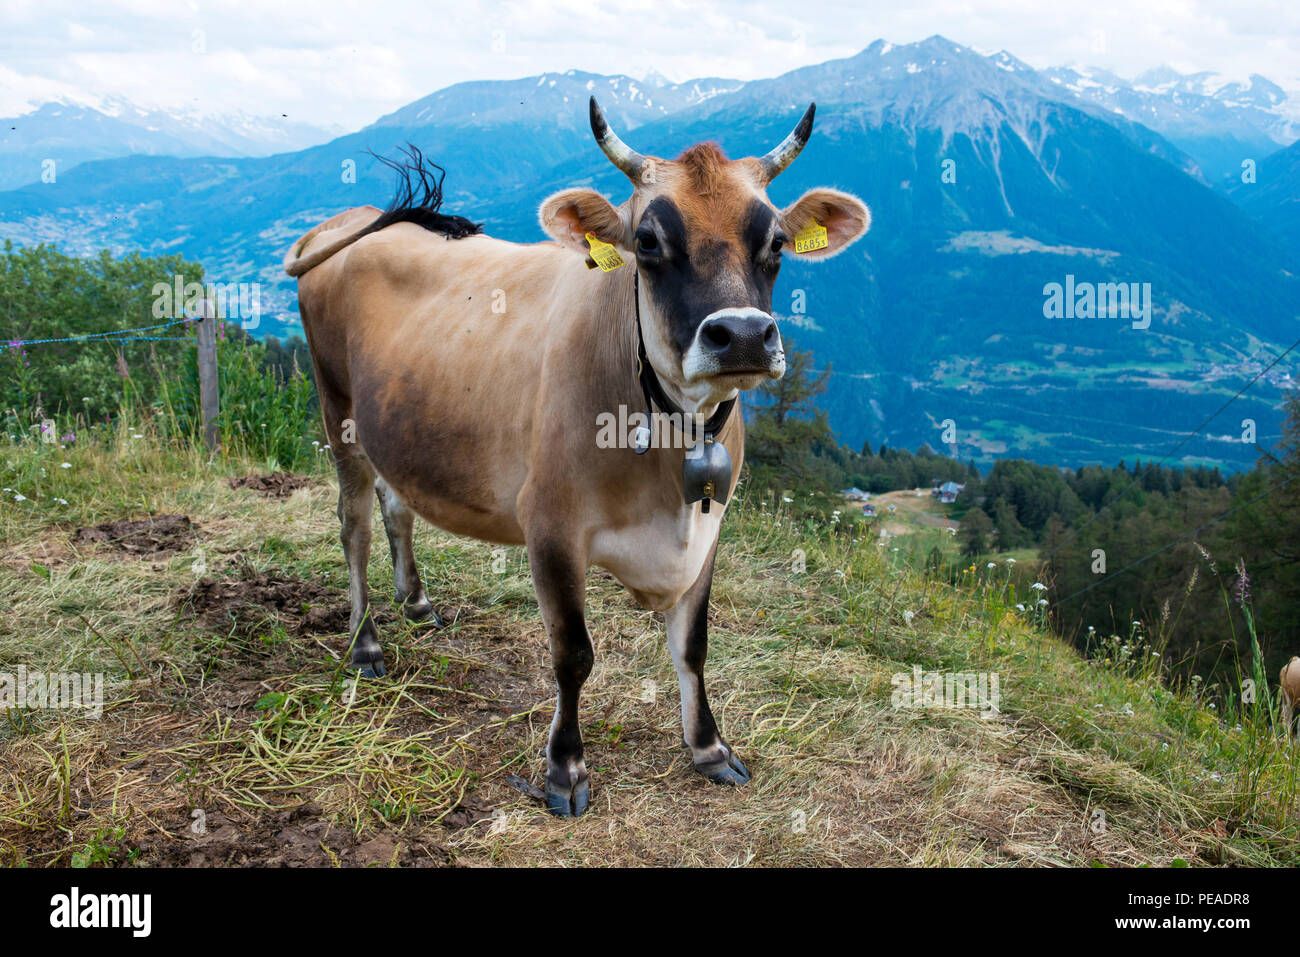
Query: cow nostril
x=770, y=338
x=717, y=336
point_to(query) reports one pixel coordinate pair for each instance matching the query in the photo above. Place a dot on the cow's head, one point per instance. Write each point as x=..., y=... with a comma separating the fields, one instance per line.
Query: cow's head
x=707, y=244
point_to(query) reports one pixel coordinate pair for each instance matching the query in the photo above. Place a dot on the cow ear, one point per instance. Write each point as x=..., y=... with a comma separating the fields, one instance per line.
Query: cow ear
x=845, y=218
x=567, y=217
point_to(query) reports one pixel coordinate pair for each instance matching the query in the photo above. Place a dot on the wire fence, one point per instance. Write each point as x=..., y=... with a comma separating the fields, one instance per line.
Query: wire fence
x=113, y=335
x=206, y=326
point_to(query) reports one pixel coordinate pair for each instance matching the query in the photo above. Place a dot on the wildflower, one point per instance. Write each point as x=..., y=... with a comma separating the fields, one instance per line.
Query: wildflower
x=1042, y=602
x=991, y=565
x=1038, y=586
x=786, y=498
x=61, y=501
x=1019, y=607
x=1241, y=590
x=1011, y=561
x=65, y=465
x=908, y=616
x=18, y=497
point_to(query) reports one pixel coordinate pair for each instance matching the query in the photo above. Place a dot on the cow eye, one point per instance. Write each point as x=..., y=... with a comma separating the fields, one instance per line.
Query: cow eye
x=777, y=243
x=647, y=242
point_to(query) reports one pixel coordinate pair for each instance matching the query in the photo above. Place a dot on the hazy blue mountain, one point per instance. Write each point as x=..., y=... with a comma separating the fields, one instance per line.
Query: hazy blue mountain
x=1259, y=99
x=988, y=181
x=70, y=133
x=1217, y=134
x=1274, y=197
x=557, y=98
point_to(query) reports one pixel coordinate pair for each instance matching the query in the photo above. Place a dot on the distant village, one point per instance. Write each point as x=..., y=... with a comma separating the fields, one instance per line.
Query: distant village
x=946, y=493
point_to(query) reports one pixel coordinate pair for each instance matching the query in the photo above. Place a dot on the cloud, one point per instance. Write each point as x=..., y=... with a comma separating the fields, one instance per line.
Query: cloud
x=344, y=62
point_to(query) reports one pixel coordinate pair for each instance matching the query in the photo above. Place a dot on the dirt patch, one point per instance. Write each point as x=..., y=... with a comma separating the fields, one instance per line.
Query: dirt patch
x=299, y=837
x=275, y=485
x=153, y=537
x=250, y=597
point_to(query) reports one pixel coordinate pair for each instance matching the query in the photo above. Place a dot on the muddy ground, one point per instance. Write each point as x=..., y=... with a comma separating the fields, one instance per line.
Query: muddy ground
x=275, y=485
x=155, y=537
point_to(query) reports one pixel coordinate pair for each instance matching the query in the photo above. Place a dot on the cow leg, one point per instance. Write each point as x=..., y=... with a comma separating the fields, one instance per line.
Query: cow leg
x=688, y=641
x=559, y=576
x=399, y=523
x=356, y=504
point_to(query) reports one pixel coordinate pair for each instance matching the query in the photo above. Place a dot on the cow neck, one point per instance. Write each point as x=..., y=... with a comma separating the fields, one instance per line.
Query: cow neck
x=653, y=389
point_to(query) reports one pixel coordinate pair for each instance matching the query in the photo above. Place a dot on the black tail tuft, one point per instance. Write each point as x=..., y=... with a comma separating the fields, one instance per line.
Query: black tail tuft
x=419, y=196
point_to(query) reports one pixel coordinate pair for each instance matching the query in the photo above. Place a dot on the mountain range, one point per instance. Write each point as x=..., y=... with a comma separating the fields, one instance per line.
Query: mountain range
x=68, y=132
x=989, y=182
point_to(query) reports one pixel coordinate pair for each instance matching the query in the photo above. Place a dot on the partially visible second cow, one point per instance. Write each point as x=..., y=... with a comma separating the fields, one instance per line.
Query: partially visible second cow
x=1289, y=680
x=464, y=379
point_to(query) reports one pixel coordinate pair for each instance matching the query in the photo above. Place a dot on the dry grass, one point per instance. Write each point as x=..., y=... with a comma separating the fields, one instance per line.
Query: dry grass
x=231, y=735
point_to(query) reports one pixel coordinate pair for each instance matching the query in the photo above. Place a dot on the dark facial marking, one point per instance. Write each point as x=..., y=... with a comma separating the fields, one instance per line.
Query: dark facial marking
x=689, y=277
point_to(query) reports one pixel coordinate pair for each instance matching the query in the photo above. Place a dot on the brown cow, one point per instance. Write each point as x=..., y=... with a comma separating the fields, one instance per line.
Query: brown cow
x=464, y=382
x=1289, y=686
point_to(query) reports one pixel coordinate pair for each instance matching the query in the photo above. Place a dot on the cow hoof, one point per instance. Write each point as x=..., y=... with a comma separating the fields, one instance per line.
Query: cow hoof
x=422, y=612
x=369, y=663
x=725, y=770
x=570, y=802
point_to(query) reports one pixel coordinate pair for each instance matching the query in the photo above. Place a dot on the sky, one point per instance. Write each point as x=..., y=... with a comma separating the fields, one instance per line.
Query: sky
x=344, y=63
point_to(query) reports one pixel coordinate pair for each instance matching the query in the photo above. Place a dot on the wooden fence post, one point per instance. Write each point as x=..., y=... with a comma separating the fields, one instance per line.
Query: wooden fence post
x=208, y=397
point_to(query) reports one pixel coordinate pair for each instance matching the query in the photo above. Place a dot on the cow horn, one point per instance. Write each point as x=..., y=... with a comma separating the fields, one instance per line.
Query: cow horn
x=619, y=153
x=784, y=154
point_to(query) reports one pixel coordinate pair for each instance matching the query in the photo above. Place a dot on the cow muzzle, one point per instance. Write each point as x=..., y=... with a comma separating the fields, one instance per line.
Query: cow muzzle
x=736, y=342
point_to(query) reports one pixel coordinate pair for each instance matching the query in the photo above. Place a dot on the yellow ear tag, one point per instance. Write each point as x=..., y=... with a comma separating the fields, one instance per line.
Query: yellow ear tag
x=605, y=255
x=811, y=237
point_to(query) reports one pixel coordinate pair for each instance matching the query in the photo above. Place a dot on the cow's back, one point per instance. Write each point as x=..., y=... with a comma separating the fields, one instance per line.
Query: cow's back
x=434, y=348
